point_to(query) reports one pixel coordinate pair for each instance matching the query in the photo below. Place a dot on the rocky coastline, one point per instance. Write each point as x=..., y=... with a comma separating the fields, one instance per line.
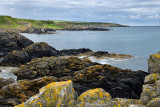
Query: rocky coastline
x=59, y=78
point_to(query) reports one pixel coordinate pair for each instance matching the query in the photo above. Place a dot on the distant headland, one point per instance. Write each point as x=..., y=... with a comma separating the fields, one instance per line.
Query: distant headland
x=48, y=26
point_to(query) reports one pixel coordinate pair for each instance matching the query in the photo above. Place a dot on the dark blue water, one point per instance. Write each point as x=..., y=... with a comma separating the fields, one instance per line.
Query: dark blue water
x=139, y=42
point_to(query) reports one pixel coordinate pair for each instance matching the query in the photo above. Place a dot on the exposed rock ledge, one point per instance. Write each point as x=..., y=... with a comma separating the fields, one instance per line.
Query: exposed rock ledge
x=42, y=49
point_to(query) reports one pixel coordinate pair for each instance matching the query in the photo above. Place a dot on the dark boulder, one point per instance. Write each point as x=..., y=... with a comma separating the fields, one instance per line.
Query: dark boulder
x=118, y=82
x=100, y=53
x=11, y=40
x=68, y=52
x=36, y=50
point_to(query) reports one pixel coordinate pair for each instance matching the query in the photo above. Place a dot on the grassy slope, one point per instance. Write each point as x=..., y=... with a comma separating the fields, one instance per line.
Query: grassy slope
x=14, y=23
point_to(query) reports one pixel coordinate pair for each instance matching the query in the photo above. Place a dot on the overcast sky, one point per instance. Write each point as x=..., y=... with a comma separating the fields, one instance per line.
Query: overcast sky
x=130, y=12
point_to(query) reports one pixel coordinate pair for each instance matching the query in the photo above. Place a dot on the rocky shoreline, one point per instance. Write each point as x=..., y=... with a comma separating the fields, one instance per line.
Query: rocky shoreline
x=58, y=78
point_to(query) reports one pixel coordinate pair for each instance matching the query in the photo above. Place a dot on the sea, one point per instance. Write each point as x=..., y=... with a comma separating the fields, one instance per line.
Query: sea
x=138, y=41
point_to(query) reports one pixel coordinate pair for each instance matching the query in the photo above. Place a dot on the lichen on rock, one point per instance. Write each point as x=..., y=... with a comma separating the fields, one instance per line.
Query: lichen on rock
x=56, y=94
x=96, y=98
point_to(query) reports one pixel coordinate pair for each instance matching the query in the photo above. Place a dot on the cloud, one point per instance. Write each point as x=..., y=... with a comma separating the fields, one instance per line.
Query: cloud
x=153, y=16
x=115, y=11
x=135, y=17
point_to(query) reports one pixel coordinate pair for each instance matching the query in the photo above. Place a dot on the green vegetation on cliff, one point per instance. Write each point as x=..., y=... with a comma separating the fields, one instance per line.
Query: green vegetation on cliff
x=22, y=24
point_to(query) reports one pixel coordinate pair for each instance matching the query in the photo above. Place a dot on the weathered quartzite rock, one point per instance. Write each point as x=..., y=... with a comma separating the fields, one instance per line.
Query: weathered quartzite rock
x=56, y=94
x=154, y=63
x=23, y=89
x=151, y=89
x=96, y=98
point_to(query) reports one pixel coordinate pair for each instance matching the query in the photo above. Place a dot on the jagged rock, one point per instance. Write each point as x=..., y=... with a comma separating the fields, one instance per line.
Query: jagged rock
x=152, y=78
x=11, y=40
x=56, y=94
x=95, y=98
x=52, y=66
x=154, y=103
x=154, y=63
x=36, y=50
x=68, y=52
x=4, y=82
x=23, y=89
x=118, y=82
x=149, y=92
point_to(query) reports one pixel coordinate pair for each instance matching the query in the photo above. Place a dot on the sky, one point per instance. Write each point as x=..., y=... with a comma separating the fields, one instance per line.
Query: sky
x=127, y=12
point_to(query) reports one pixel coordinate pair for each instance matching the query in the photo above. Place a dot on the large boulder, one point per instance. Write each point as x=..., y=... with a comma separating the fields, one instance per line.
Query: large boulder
x=151, y=89
x=96, y=98
x=11, y=40
x=56, y=94
x=36, y=50
x=154, y=63
x=40, y=49
x=118, y=82
x=23, y=89
x=52, y=66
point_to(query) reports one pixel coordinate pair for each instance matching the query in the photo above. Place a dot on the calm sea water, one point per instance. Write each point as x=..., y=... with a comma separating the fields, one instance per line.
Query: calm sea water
x=139, y=42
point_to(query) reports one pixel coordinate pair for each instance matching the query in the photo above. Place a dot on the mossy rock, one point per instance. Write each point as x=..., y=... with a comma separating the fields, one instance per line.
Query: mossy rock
x=24, y=89
x=52, y=66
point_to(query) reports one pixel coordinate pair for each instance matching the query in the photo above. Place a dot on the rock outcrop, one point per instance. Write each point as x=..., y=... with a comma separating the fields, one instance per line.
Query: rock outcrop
x=36, y=50
x=150, y=95
x=154, y=63
x=52, y=66
x=11, y=40
x=70, y=52
x=57, y=94
x=118, y=82
x=86, y=75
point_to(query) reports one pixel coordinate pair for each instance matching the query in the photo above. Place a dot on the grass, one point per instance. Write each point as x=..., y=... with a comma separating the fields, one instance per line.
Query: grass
x=21, y=24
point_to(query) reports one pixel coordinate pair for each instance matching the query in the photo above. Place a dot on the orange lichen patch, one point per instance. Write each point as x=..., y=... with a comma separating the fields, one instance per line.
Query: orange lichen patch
x=95, y=94
x=20, y=105
x=157, y=55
